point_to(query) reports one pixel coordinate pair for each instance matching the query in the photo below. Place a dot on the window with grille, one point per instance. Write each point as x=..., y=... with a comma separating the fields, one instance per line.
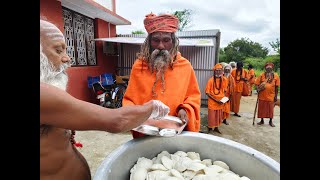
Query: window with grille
x=79, y=34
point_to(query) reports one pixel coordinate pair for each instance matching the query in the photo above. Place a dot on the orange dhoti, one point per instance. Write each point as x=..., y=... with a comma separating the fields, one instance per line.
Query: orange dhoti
x=226, y=110
x=265, y=109
x=231, y=104
x=250, y=88
x=236, y=97
x=215, y=118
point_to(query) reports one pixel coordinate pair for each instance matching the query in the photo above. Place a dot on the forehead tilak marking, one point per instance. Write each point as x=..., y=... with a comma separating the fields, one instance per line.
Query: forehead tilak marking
x=55, y=36
x=48, y=27
x=53, y=33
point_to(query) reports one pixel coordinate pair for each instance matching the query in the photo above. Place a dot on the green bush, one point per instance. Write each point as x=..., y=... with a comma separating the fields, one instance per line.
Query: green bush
x=257, y=63
x=223, y=58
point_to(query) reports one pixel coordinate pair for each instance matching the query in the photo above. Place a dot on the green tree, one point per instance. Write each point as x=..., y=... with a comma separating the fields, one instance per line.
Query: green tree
x=184, y=17
x=137, y=32
x=222, y=55
x=275, y=45
x=240, y=49
x=221, y=51
x=257, y=63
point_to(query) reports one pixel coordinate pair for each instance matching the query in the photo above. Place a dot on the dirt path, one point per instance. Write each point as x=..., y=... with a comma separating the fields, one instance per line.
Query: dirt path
x=266, y=139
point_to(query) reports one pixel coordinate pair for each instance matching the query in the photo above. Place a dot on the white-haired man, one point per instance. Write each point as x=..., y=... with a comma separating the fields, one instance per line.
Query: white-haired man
x=229, y=92
x=61, y=114
x=233, y=65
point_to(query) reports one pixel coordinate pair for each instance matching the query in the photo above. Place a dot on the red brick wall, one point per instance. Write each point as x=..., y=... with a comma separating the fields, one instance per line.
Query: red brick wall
x=77, y=85
x=51, y=10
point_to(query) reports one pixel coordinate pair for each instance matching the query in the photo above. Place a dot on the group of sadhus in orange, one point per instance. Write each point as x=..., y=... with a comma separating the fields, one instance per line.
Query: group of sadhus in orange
x=160, y=72
x=161, y=78
x=231, y=85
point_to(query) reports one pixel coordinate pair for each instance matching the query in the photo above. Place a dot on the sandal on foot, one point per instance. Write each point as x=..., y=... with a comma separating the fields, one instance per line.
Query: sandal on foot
x=260, y=123
x=237, y=115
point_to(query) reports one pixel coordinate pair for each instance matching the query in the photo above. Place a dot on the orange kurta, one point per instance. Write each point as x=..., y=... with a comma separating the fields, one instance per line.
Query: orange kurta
x=238, y=82
x=211, y=89
x=266, y=96
x=251, y=78
x=269, y=92
x=215, y=110
x=251, y=74
x=182, y=90
x=236, y=98
x=229, y=93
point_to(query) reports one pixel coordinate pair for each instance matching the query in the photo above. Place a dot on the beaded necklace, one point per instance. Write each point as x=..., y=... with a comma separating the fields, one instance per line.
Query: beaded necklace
x=269, y=79
x=237, y=74
x=215, y=85
x=72, y=140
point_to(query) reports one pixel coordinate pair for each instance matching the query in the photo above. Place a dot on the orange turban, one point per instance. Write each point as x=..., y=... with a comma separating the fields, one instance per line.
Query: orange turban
x=269, y=64
x=217, y=66
x=161, y=23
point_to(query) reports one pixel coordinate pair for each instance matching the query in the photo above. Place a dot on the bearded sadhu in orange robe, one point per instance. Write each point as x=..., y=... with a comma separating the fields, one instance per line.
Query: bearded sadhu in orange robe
x=229, y=93
x=240, y=76
x=267, y=85
x=215, y=89
x=161, y=73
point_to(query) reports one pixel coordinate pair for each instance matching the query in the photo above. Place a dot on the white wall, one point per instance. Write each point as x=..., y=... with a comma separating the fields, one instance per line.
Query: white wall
x=105, y=3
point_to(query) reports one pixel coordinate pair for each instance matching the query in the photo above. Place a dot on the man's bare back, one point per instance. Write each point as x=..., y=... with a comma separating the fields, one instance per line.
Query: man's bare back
x=55, y=144
x=59, y=111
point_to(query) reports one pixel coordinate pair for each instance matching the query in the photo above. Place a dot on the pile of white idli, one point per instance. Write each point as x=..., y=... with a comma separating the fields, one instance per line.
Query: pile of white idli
x=181, y=166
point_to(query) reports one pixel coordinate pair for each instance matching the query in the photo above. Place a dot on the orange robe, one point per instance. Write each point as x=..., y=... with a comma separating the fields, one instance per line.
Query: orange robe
x=251, y=74
x=238, y=89
x=182, y=90
x=252, y=80
x=266, y=96
x=215, y=110
x=229, y=93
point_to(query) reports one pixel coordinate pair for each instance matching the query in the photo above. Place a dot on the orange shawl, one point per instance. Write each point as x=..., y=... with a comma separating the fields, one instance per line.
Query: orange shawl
x=215, y=93
x=182, y=90
x=239, y=83
x=251, y=73
x=269, y=92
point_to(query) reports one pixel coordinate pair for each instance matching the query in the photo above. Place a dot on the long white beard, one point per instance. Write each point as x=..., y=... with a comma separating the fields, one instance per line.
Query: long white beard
x=159, y=62
x=50, y=76
x=226, y=74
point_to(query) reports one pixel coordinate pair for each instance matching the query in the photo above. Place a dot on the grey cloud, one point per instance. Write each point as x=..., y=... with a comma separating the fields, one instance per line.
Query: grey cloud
x=228, y=20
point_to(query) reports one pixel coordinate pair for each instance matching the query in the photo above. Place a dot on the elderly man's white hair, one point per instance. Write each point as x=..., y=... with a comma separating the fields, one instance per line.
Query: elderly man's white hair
x=49, y=30
x=49, y=74
x=223, y=64
x=232, y=64
x=228, y=66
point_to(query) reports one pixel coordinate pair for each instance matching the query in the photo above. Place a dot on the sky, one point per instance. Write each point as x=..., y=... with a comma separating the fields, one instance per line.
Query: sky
x=258, y=20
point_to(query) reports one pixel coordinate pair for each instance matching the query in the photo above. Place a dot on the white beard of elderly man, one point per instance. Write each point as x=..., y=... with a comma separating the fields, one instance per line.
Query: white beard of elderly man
x=53, y=71
x=61, y=114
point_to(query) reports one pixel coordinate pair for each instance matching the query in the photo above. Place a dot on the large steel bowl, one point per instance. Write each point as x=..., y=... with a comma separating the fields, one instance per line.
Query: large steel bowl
x=241, y=159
